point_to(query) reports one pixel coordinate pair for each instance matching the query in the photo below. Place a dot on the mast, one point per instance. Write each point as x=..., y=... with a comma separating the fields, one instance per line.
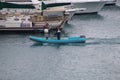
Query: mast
x=43, y=5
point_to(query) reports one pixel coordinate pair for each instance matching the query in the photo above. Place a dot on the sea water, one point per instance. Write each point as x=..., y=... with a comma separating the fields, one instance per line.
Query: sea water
x=97, y=59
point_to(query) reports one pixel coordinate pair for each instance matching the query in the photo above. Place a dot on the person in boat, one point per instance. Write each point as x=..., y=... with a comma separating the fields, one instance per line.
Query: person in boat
x=46, y=30
x=58, y=33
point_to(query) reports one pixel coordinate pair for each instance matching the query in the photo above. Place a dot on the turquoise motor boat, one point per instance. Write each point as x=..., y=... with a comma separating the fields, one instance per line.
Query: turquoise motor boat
x=80, y=39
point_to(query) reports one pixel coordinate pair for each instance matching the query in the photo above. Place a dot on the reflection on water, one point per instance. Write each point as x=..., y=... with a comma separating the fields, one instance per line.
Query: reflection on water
x=97, y=59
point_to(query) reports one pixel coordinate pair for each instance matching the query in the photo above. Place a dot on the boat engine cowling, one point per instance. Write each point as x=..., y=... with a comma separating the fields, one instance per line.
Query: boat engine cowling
x=82, y=36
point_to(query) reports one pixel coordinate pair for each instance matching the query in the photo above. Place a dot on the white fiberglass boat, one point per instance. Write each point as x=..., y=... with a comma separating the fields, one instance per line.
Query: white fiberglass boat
x=118, y=3
x=110, y=1
x=85, y=6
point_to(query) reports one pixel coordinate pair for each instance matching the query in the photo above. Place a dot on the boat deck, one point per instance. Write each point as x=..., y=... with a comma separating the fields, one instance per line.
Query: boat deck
x=20, y=29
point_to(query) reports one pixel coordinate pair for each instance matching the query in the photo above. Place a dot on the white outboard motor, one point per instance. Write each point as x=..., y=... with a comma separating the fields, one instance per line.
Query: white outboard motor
x=82, y=36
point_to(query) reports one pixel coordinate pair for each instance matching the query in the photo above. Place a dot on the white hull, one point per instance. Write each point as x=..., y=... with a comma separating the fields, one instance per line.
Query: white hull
x=89, y=7
x=85, y=6
x=110, y=1
x=118, y=3
x=54, y=19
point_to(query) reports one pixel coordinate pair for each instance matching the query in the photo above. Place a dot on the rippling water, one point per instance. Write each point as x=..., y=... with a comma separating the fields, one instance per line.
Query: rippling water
x=97, y=59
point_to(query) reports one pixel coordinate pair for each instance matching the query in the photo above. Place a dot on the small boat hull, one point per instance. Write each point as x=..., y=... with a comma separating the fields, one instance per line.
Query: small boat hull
x=56, y=41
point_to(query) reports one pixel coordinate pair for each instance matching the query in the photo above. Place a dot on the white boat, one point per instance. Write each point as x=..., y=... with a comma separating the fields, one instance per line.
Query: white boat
x=23, y=22
x=26, y=21
x=84, y=6
x=118, y=3
x=54, y=17
x=35, y=3
x=109, y=2
x=9, y=6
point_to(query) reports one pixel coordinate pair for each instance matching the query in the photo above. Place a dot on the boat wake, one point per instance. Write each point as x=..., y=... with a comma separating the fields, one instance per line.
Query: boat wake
x=103, y=40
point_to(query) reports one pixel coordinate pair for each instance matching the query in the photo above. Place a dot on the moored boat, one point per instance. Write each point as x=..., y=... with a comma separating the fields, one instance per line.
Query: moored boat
x=118, y=3
x=85, y=6
x=21, y=21
x=110, y=2
x=37, y=18
x=56, y=41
